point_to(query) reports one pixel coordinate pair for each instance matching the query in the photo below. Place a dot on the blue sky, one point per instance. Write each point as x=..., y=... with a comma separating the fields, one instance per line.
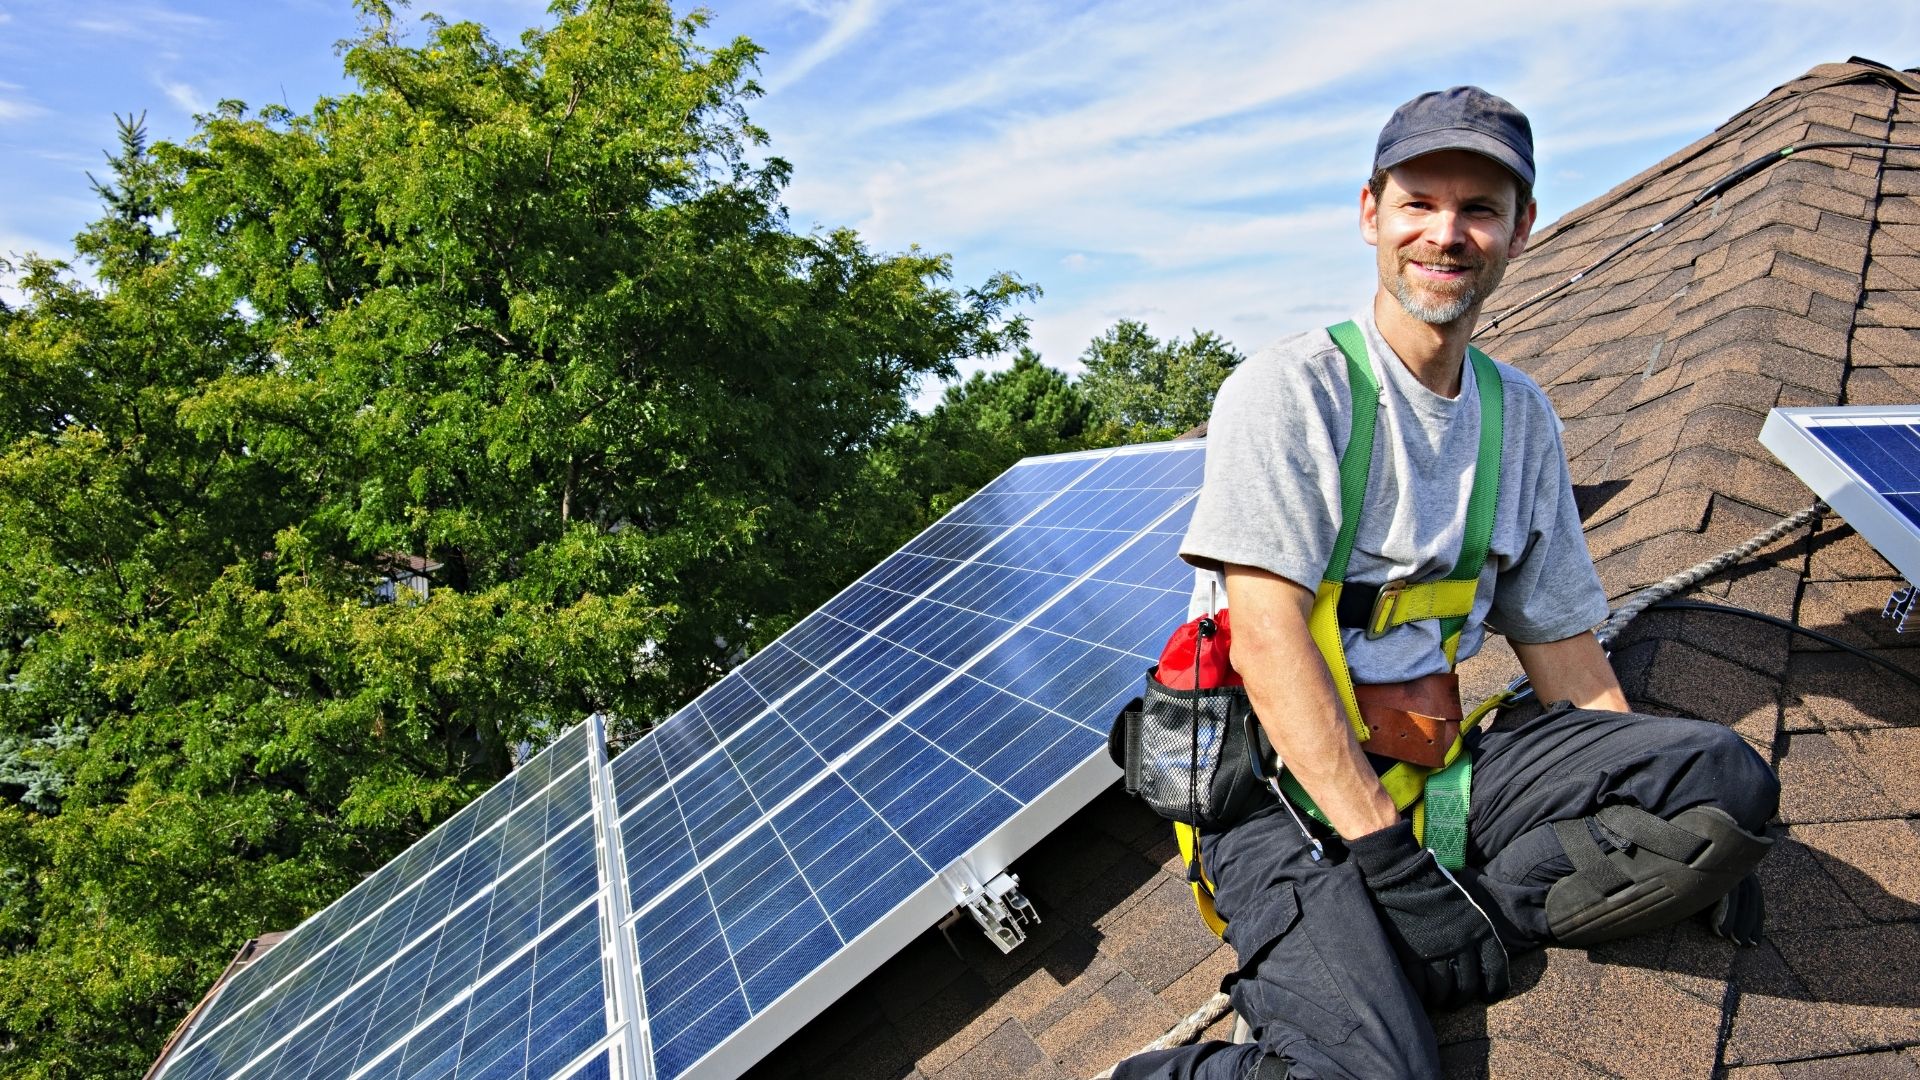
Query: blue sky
x=1191, y=166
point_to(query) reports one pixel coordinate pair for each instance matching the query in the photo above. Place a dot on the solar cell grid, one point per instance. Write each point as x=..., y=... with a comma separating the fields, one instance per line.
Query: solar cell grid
x=899, y=800
x=395, y=878
x=521, y=855
x=751, y=840
x=1887, y=456
x=1864, y=462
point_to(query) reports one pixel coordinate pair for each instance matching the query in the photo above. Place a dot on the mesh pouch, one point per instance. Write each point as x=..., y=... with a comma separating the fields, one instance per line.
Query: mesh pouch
x=1185, y=753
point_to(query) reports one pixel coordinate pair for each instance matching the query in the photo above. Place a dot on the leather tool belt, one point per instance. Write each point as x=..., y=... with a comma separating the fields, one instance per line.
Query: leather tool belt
x=1416, y=721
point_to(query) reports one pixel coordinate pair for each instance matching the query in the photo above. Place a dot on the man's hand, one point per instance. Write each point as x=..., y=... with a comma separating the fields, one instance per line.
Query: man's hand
x=1293, y=695
x=1447, y=946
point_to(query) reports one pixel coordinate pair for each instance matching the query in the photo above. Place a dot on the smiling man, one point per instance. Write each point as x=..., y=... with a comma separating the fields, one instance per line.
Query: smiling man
x=1377, y=497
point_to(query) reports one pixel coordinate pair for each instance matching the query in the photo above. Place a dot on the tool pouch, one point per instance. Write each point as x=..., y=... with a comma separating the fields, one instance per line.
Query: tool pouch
x=1185, y=753
x=1416, y=721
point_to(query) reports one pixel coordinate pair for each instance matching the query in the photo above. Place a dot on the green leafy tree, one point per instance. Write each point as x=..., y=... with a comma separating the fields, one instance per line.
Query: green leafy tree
x=531, y=312
x=927, y=465
x=1141, y=388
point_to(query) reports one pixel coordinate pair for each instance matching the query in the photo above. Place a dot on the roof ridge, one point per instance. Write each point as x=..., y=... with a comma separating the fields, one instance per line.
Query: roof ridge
x=1855, y=69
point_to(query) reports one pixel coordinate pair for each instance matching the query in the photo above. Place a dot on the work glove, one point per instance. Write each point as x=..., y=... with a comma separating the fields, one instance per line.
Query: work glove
x=1446, y=944
x=1740, y=915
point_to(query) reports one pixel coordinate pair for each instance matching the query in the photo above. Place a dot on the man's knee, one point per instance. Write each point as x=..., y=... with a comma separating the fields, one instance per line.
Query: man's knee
x=1636, y=871
x=1736, y=778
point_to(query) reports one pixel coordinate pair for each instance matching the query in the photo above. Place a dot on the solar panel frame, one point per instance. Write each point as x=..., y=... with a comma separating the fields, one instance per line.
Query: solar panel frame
x=1022, y=614
x=532, y=828
x=1807, y=440
x=994, y=853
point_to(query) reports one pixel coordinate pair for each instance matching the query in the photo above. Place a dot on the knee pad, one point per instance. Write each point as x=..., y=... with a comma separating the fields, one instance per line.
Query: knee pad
x=1663, y=871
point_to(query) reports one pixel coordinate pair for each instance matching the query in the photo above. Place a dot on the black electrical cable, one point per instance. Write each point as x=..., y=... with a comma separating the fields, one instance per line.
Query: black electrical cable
x=1711, y=191
x=1785, y=624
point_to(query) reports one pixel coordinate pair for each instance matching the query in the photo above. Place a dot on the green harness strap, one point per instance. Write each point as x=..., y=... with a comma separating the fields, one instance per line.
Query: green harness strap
x=1439, y=797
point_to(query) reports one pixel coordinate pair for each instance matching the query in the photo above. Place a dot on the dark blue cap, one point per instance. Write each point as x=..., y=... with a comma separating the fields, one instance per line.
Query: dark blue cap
x=1463, y=118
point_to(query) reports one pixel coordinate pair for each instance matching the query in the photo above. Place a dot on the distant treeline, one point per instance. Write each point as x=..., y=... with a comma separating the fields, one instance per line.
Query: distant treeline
x=522, y=328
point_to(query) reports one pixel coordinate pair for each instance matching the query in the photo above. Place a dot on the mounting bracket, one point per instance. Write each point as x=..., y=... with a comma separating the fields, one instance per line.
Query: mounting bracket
x=1903, y=605
x=996, y=904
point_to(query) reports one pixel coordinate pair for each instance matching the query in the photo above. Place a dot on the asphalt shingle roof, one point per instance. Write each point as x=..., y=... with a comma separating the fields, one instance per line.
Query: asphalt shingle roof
x=1800, y=286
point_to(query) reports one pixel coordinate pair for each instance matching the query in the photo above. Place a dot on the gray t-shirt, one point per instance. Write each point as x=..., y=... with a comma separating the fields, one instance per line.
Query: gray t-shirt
x=1271, y=498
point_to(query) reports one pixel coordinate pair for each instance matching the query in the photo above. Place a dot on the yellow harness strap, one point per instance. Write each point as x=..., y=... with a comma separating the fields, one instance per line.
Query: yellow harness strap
x=1449, y=600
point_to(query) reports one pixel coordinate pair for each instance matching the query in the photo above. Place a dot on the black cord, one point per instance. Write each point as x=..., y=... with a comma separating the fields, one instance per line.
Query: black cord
x=1784, y=624
x=1711, y=191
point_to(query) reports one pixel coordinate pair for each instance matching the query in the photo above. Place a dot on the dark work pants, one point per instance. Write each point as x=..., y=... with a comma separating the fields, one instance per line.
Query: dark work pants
x=1319, y=983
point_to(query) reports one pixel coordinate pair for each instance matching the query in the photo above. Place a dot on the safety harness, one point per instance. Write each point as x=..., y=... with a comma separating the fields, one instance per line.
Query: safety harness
x=1437, y=794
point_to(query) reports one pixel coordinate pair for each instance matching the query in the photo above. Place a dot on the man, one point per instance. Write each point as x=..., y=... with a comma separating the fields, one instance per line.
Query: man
x=1586, y=822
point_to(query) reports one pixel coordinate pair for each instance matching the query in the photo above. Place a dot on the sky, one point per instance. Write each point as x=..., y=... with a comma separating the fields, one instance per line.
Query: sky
x=1191, y=166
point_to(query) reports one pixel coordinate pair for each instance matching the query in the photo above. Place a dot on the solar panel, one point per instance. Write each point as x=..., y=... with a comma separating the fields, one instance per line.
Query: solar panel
x=1864, y=461
x=795, y=825
x=475, y=952
x=680, y=910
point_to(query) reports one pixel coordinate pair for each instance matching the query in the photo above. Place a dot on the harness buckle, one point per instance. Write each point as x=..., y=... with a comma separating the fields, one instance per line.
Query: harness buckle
x=1383, y=604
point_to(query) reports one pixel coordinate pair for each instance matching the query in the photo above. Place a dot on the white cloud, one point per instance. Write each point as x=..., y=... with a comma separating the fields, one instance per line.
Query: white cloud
x=139, y=20
x=846, y=21
x=184, y=97
x=12, y=109
x=1188, y=165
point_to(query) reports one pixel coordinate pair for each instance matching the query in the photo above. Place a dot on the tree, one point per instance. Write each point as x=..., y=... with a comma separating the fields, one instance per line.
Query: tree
x=534, y=313
x=1141, y=389
x=927, y=465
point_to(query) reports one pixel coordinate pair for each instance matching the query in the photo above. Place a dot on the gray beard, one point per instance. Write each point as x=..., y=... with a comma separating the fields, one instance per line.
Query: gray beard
x=1440, y=314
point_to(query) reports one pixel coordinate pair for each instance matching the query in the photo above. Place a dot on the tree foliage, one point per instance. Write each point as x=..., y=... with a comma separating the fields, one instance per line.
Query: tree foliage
x=1141, y=388
x=927, y=465
x=532, y=312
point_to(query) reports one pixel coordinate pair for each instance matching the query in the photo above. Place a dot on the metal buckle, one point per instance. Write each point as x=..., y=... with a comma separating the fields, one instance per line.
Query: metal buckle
x=1381, y=620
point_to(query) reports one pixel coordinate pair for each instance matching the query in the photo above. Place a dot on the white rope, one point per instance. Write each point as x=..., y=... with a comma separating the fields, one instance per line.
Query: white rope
x=1693, y=575
x=1185, y=1031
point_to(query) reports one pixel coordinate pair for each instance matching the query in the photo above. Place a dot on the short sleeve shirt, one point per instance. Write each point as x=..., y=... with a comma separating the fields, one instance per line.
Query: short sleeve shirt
x=1271, y=498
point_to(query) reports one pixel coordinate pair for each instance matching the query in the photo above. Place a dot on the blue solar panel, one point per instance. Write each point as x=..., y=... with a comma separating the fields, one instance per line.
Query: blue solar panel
x=891, y=733
x=1864, y=462
x=476, y=902
x=658, y=915
x=1887, y=457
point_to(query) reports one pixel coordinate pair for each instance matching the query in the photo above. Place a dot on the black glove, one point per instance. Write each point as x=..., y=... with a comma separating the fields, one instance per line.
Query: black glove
x=1447, y=946
x=1740, y=915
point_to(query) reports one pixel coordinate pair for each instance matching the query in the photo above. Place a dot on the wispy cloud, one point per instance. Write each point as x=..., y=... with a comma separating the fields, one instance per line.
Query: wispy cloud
x=184, y=96
x=1199, y=166
x=846, y=21
x=135, y=20
x=13, y=108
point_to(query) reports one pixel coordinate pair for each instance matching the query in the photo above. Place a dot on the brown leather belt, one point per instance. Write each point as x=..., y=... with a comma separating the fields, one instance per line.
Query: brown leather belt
x=1416, y=721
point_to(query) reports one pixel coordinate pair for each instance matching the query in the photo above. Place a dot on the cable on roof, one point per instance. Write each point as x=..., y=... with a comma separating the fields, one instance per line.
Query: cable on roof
x=1706, y=194
x=1693, y=575
x=1790, y=625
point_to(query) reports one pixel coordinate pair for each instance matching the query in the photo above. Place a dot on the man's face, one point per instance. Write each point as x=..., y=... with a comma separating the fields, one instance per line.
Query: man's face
x=1444, y=227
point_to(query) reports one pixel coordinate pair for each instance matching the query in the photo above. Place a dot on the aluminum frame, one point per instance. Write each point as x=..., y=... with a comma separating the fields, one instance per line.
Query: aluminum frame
x=1787, y=433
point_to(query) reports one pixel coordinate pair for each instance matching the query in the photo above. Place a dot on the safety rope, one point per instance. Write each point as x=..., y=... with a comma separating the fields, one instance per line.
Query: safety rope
x=1216, y=1006
x=1693, y=575
x=1185, y=1031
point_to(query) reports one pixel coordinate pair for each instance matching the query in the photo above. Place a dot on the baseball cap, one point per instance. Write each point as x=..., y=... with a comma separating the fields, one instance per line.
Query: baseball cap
x=1463, y=118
